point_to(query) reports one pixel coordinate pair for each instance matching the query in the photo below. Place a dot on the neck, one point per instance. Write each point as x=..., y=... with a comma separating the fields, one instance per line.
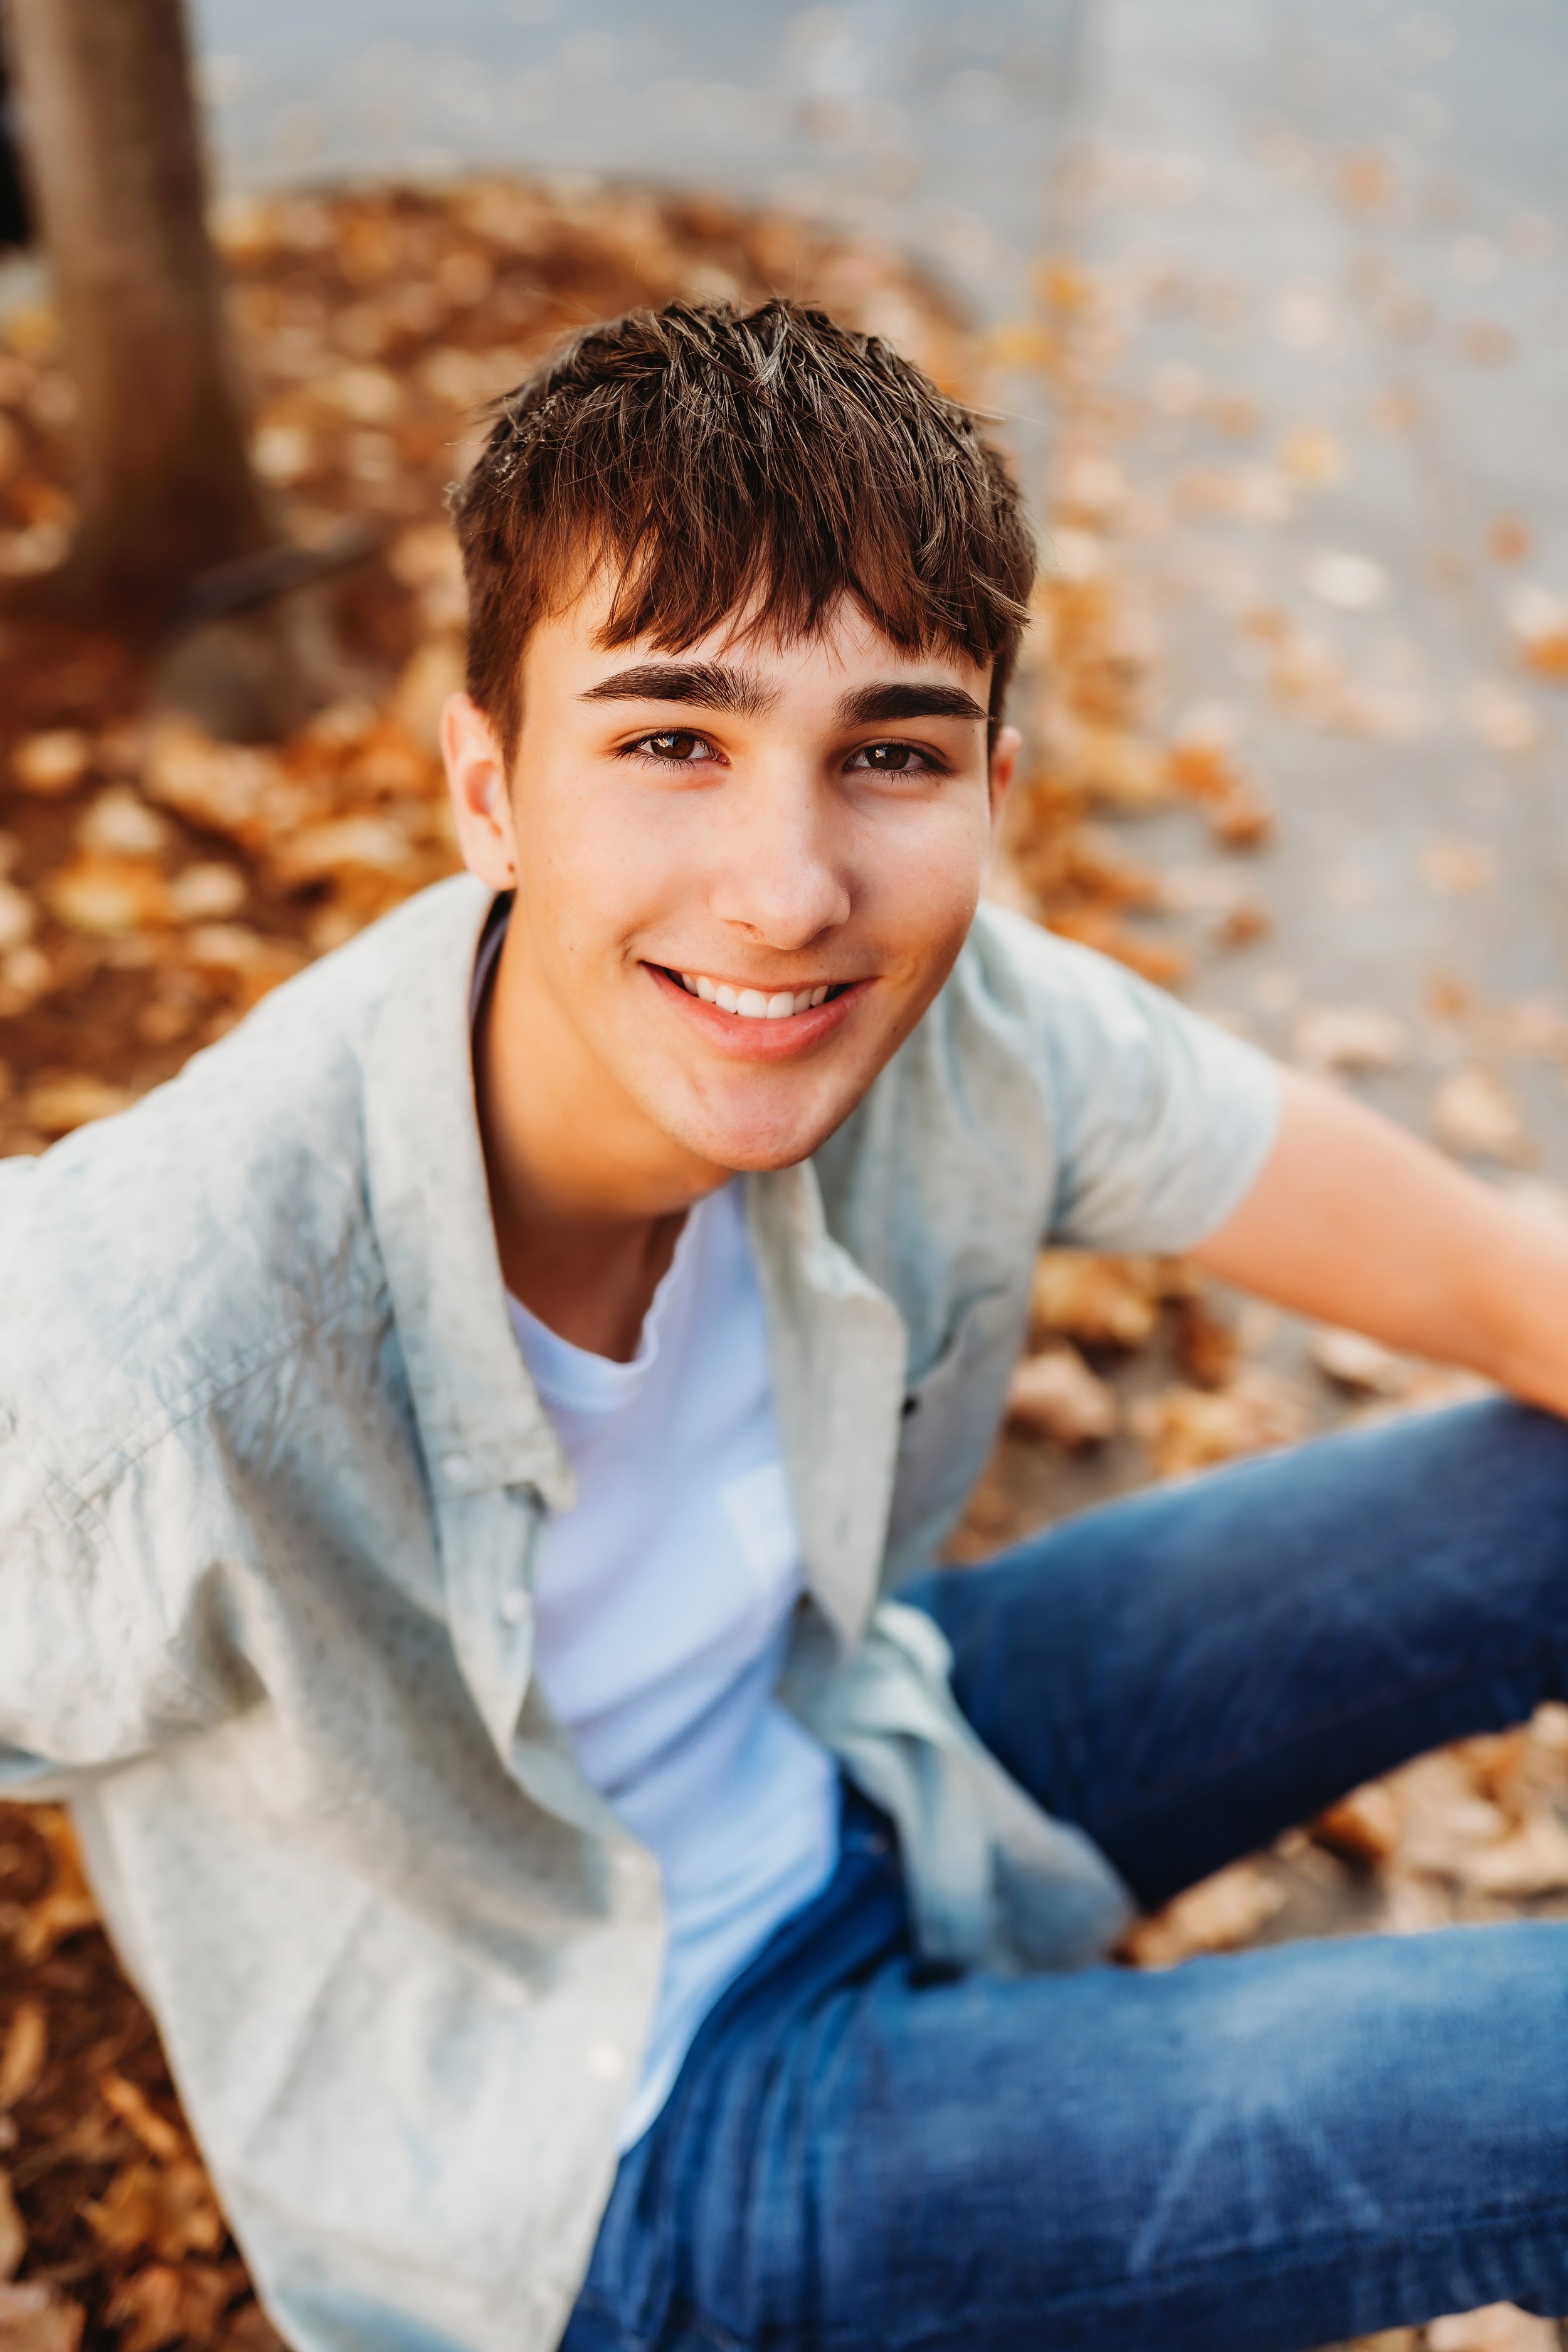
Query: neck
x=588, y=1199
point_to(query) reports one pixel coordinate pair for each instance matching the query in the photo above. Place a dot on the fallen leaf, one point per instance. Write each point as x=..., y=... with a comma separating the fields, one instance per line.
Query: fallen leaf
x=1123, y=770
x=1350, y=1037
x=52, y=763
x=1473, y=1111
x=18, y=917
x=1533, y=1861
x=68, y=1906
x=1104, y=1301
x=1366, y=1824
x=1352, y=582
x=160, y=2305
x=57, y=1106
x=1457, y=870
x=107, y=896
x=1353, y=1362
x=325, y=849
x=206, y=893
x=1205, y=770
x=1502, y=718
x=1208, y=1349
x=1540, y=623
x=1314, y=455
x=1499, y=2327
x=222, y=786
x=169, y=2208
x=1057, y=1397
x=127, y=2100
x=13, y=2230
x=34, y=2318
x=1188, y=1429
x=1215, y=1915
x=23, y=2051
x=119, y=824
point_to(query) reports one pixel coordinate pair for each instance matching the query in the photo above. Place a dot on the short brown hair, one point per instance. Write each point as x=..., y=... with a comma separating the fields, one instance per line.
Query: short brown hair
x=769, y=463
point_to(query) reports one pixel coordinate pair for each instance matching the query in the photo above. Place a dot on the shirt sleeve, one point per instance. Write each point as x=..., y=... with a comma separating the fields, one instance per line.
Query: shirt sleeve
x=1162, y=1119
x=99, y=1664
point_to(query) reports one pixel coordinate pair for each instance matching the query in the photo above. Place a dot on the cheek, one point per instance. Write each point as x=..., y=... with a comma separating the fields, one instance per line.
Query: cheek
x=923, y=878
x=591, y=875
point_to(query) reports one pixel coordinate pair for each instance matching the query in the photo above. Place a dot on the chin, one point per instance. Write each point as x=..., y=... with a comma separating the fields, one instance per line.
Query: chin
x=750, y=1146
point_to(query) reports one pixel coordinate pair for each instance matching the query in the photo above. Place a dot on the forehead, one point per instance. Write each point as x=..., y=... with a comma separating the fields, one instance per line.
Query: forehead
x=569, y=648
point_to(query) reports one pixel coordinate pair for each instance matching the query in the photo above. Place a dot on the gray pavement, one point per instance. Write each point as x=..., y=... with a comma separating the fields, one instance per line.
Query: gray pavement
x=930, y=124
x=1333, y=231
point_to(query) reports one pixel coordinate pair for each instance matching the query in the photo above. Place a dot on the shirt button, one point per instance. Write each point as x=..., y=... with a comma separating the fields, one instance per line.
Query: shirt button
x=514, y=1606
x=455, y=1466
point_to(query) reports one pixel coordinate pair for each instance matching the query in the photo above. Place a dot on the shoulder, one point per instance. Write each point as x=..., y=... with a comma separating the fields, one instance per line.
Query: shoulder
x=1019, y=1010
x=1012, y=971
x=150, y=1258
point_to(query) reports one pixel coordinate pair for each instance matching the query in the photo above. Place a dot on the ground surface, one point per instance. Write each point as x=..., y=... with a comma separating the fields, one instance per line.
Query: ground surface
x=1295, y=702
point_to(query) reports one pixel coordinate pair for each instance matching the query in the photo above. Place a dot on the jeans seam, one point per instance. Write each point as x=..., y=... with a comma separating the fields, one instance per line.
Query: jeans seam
x=1128, y=2295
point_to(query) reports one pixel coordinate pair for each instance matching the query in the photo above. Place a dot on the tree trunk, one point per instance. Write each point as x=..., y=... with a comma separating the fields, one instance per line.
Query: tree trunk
x=115, y=164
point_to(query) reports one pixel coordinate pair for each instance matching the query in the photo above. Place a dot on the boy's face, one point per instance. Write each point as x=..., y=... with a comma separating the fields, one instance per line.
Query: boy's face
x=742, y=872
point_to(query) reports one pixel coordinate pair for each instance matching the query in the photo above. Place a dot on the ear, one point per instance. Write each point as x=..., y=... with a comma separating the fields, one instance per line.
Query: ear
x=482, y=805
x=1003, y=761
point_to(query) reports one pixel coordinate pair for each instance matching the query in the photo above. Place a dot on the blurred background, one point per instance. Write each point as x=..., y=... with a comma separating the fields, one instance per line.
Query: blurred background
x=1269, y=300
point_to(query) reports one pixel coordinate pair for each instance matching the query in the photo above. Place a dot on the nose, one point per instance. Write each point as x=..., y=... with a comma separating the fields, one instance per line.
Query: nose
x=784, y=875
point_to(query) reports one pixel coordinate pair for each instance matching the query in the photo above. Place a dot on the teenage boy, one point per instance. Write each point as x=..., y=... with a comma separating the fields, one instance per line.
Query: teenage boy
x=456, y=1434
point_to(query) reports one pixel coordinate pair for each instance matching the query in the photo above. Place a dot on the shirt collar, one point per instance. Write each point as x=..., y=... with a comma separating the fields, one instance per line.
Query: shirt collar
x=481, y=1420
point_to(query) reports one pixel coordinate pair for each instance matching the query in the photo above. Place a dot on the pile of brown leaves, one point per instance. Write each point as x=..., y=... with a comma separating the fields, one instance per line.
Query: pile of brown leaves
x=110, y=2232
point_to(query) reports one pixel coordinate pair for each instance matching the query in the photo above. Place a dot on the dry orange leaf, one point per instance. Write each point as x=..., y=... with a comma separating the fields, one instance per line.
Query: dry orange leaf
x=107, y=896
x=23, y=2053
x=34, y=2318
x=1057, y=1397
x=1215, y=1915
x=168, y=2208
x=160, y=2305
x=51, y=764
x=135, y=2110
x=13, y=2230
x=56, y=1106
x=67, y=1907
x=1105, y=1301
x=1188, y=1429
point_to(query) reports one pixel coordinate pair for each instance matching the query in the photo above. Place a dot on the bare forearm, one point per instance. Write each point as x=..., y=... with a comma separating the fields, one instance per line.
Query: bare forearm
x=1354, y=1222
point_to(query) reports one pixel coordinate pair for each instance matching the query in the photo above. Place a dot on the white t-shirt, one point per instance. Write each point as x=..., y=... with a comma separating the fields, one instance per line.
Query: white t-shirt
x=662, y=1606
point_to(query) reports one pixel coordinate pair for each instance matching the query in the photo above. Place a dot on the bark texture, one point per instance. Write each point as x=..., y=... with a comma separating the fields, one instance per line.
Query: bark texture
x=116, y=168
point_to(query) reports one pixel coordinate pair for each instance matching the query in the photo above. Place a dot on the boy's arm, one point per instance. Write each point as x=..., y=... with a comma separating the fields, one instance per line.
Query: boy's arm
x=1354, y=1222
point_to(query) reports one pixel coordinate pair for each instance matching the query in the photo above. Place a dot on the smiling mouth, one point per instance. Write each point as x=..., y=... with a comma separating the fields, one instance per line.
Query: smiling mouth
x=756, y=1004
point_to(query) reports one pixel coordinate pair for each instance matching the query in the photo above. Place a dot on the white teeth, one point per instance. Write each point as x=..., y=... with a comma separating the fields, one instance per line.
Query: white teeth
x=753, y=1003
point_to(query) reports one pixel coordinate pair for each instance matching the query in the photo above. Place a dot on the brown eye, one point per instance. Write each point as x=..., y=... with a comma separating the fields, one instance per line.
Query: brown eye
x=673, y=743
x=887, y=757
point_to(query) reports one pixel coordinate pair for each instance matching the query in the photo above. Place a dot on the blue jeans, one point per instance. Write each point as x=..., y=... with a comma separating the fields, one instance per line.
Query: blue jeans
x=1243, y=2153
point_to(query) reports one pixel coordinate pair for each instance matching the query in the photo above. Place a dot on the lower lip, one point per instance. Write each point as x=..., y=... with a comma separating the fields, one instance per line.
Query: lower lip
x=761, y=1041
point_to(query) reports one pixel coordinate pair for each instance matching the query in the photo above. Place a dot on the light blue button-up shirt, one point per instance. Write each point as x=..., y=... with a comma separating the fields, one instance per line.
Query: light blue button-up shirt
x=272, y=1476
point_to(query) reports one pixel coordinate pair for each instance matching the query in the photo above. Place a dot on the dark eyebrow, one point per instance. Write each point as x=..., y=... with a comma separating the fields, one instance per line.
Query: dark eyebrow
x=711, y=686
x=876, y=705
